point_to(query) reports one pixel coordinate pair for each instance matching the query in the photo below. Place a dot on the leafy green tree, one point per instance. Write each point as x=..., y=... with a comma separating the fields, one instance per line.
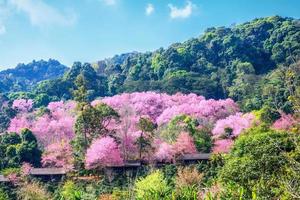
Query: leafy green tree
x=257, y=162
x=146, y=127
x=16, y=149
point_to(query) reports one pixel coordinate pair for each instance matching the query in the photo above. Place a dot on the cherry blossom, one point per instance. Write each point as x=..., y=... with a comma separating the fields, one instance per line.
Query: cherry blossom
x=103, y=152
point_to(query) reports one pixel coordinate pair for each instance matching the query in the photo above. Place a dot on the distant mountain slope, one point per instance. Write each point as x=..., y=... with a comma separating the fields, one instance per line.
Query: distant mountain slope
x=236, y=62
x=255, y=63
x=25, y=76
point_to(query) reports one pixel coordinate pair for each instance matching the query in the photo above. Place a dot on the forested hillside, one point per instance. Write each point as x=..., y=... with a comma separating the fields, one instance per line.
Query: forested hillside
x=239, y=62
x=247, y=62
x=25, y=76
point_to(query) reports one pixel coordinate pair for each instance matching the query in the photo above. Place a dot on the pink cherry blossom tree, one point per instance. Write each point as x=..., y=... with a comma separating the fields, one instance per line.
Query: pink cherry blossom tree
x=22, y=105
x=222, y=146
x=164, y=152
x=285, y=122
x=103, y=152
x=233, y=125
x=184, y=144
x=58, y=154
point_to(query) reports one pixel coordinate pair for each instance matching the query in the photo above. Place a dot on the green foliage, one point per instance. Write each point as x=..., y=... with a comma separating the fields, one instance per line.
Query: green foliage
x=6, y=112
x=70, y=191
x=91, y=123
x=33, y=191
x=25, y=76
x=144, y=140
x=268, y=115
x=16, y=149
x=80, y=80
x=257, y=161
x=3, y=195
x=202, y=138
x=153, y=186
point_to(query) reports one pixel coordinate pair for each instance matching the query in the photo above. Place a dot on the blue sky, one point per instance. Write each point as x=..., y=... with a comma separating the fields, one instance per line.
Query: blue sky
x=90, y=30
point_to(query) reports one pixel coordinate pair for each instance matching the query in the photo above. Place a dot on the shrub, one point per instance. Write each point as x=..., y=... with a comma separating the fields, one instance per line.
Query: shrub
x=257, y=161
x=70, y=191
x=188, y=182
x=3, y=195
x=33, y=191
x=154, y=186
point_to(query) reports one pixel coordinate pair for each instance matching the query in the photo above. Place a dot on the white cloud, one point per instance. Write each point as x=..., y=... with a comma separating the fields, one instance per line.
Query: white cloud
x=184, y=12
x=149, y=9
x=109, y=2
x=41, y=14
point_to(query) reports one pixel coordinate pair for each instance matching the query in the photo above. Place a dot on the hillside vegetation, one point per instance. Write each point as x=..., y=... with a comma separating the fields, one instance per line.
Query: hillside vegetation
x=246, y=62
x=233, y=94
x=25, y=76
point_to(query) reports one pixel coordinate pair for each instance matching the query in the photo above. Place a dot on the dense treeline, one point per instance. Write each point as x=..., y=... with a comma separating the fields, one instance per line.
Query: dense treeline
x=243, y=62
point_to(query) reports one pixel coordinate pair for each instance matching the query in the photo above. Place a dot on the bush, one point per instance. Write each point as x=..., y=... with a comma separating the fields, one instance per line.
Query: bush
x=70, y=191
x=257, y=161
x=188, y=182
x=154, y=186
x=33, y=191
x=3, y=195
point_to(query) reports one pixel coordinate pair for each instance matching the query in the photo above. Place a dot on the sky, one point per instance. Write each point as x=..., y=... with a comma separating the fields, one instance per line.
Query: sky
x=90, y=30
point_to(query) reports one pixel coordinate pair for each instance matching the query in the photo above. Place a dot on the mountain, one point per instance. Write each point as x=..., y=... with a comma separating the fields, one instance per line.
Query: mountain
x=240, y=62
x=25, y=76
x=251, y=63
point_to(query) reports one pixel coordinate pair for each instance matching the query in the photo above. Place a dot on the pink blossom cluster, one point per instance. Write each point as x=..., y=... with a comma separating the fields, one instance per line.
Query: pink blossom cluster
x=22, y=105
x=222, y=146
x=19, y=122
x=236, y=123
x=161, y=107
x=50, y=127
x=55, y=129
x=103, y=152
x=167, y=152
x=25, y=169
x=285, y=122
x=58, y=154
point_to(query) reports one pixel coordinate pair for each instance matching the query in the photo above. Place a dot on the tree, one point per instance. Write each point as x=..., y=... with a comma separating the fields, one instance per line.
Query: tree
x=58, y=155
x=91, y=123
x=257, y=162
x=144, y=140
x=103, y=152
x=16, y=149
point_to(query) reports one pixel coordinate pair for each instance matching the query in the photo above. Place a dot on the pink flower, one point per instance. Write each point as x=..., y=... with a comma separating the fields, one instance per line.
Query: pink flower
x=22, y=105
x=58, y=155
x=233, y=125
x=13, y=178
x=26, y=168
x=222, y=146
x=184, y=144
x=285, y=122
x=18, y=123
x=103, y=152
x=165, y=153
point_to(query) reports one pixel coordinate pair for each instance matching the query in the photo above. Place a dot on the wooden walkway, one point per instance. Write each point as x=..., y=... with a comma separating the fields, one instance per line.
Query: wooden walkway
x=44, y=172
